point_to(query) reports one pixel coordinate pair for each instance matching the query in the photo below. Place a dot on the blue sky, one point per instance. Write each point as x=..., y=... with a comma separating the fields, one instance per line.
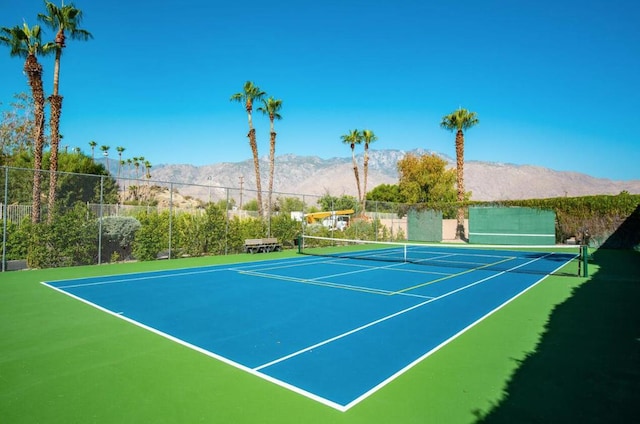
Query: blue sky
x=555, y=83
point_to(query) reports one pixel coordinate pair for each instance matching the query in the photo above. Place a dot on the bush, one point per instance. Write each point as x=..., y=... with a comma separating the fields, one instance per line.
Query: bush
x=152, y=237
x=118, y=233
x=70, y=240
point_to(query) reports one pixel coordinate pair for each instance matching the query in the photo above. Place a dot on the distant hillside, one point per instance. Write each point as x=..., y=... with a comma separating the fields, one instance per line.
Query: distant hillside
x=315, y=176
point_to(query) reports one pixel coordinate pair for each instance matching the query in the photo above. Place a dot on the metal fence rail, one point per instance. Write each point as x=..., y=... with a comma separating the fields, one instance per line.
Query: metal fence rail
x=108, y=196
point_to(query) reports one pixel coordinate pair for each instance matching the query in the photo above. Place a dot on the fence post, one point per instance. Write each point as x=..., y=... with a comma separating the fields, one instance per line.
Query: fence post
x=100, y=220
x=4, y=218
x=226, y=230
x=170, y=217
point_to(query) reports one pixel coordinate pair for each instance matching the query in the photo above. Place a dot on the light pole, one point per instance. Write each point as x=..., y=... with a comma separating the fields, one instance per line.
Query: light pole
x=209, y=182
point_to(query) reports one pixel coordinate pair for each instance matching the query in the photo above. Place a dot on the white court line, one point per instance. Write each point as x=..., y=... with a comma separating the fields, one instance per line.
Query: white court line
x=386, y=318
x=223, y=359
x=318, y=282
x=342, y=408
x=146, y=275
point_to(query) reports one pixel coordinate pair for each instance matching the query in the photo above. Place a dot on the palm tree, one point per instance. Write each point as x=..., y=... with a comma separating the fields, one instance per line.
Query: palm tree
x=120, y=150
x=368, y=137
x=136, y=164
x=352, y=138
x=105, y=152
x=60, y=20
x=26, y=42
x=460, y=121
x=147, y=167
x=271, y=107
x=93, y=145
x=250, y=93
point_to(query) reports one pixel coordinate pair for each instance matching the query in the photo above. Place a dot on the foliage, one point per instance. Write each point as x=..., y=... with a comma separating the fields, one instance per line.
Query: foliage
x=153, y=235
x=242, y=229
x=285, y=229
x=69, y=240
x=17, y=240
x=78, y=180
x=16, y=129
x=459, y=120
x=425, y=179
x=251, y=205
x=81, y=180
x=332, y=203
x=286, y=205
x=196, y=235
x=190, y=237
x=601, y=215
x=118, y=233
x=386, y=193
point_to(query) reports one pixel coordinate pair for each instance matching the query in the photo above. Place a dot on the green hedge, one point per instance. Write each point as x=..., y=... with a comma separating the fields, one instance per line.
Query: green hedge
x=611, y=220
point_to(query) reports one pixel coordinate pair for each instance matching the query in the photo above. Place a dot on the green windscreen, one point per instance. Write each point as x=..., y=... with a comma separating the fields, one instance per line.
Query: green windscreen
x=518, y=226
x=425, y=225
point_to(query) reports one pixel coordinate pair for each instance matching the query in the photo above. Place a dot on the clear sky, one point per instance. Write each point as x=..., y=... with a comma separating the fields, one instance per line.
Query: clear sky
x=555, y=83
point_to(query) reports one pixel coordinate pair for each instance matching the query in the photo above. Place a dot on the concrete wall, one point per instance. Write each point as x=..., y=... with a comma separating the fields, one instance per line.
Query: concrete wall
x=449, y=229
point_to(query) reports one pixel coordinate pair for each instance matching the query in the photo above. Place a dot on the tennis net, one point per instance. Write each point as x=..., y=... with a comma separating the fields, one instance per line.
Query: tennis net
x=564, y=260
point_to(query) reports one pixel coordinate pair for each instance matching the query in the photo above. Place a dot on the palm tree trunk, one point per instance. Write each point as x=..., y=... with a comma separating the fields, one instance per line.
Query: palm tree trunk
x=460, y=234
x=34, y=73
x=356, y=173
x=366, y=172
x=272, y=160
x=54, y=123
x=56, y=109
x=256, y=166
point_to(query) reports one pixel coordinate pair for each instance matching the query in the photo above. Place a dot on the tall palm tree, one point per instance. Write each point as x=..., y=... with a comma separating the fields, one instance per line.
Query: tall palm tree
x=271, y=107
x=136, y=165
x=120, y=150
x=368, y=137
x=26, y=42
x=93, y=145
x=460, y=121
x=352, y=138
x=61, y=20
x=105, y=152
x=249, y=94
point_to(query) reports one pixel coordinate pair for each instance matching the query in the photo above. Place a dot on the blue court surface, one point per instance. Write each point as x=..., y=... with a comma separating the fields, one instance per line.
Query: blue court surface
x=332, y=329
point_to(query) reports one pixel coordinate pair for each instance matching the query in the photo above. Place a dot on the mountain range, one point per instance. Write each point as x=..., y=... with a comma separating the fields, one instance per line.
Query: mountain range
x=312, y=175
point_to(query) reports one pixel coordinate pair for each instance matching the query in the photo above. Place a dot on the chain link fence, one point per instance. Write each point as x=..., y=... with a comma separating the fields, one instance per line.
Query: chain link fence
x=83, y=219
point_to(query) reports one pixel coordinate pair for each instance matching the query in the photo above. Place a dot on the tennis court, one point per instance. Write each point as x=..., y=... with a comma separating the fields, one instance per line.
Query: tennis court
x=332, y=328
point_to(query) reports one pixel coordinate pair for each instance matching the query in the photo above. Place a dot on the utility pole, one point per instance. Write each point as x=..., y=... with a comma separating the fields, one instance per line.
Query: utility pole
x=241, y=183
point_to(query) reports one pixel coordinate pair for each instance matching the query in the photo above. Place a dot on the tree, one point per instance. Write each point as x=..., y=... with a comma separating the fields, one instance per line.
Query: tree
x=121, y=162
x=352, y=138
x=271, y=107
x=16, y=128
x=425, y=179
x=93, y=145
x=26, y=42
x=61, y=20
x=460, y=121
x=386, y=193
x=332, y=203
x=105, y=152
x=249, y=94
x=368, y=137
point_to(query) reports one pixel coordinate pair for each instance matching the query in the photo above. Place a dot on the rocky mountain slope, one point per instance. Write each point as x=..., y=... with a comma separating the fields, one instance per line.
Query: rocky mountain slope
x=315, y=176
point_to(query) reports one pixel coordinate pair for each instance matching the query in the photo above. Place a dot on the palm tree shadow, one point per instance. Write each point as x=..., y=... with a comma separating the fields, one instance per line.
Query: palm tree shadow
x=586, y=367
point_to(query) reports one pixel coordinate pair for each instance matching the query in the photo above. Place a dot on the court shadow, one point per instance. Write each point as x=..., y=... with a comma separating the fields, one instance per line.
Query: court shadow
x=627, y=235
x=586, y=367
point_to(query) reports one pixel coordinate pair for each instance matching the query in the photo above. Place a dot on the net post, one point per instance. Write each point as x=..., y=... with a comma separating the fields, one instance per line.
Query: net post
x=584, y=257
x=300, y=244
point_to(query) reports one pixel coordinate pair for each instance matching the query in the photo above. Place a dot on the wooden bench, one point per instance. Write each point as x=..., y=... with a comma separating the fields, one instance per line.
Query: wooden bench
x=262, y=245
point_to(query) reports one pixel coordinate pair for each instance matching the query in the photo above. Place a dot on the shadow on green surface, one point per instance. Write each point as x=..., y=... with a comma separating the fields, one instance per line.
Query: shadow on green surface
x=586, y=367
x=627, y=236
